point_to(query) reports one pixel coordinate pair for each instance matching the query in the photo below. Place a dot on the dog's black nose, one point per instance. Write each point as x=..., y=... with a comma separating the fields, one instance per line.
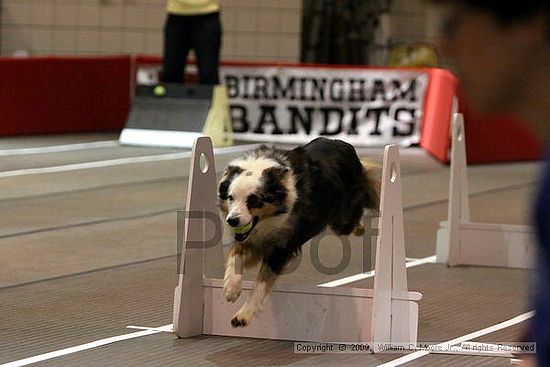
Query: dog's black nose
x=233, y=221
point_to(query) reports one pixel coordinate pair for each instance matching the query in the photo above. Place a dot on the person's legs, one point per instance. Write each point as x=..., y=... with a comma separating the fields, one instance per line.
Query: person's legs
x=177, y=43
x=207, y=44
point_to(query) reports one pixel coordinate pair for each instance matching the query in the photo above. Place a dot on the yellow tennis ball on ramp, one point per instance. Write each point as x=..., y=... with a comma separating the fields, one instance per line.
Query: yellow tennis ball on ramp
x=159, y=91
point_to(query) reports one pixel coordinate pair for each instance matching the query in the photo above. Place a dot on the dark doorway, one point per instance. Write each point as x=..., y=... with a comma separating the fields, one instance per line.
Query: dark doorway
x=340, y=31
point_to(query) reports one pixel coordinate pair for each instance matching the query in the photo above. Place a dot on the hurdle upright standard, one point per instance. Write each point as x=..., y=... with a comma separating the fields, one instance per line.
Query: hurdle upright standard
x=385, y=314
x=463, y=242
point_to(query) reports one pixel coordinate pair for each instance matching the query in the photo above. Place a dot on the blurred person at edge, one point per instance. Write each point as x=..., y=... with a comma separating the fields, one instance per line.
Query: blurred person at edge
x=501, y=50
x=192, y=24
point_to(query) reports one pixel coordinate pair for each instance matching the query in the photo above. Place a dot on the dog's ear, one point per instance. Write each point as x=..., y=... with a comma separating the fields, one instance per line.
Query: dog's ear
x=274, y=190
x=277, y=172
x=222, y=190
x=230, y=172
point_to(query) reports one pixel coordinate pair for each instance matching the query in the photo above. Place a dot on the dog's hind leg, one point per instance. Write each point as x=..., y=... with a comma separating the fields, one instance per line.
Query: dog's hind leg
x=349, y=221
x=359, y=229
x=368, y=198
x=262, y=287
x=232, y=280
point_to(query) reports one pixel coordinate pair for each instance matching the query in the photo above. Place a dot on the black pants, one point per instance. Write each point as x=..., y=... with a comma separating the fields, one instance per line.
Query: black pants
x=202, y=33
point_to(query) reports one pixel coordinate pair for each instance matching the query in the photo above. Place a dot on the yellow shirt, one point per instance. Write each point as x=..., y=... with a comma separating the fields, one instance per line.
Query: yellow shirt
x=192, y=7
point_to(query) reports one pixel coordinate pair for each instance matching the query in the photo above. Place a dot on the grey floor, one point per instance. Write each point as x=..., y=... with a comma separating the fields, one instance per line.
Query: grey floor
x=85, y=253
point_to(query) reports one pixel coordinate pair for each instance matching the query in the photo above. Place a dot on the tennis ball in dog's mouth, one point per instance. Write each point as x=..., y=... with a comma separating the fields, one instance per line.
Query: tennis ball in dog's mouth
x=244, y=229
x=159, y=91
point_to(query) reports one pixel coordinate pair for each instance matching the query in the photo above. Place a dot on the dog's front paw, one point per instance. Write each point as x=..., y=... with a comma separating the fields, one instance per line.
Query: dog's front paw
x=232, y=288
x=242, y=318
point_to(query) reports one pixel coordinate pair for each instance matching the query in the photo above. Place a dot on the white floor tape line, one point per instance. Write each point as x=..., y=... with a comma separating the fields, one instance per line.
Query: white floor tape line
x=120, y=161
x=145, y=331
x=476, y=334
x=83, y=347
x=370, y=274
x=163, y=329
x=59, y=148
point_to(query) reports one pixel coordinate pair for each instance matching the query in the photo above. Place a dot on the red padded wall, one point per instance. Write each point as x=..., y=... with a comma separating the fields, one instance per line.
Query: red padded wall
x=438, y=106
x=501, y=137
x=72, y=94
x=63, y=94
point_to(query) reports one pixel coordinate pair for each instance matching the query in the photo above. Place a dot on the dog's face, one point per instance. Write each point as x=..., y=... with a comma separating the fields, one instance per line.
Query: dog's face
x=252, y=190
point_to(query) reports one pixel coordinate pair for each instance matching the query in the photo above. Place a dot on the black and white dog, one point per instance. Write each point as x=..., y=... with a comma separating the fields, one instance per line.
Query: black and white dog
x=276, y=200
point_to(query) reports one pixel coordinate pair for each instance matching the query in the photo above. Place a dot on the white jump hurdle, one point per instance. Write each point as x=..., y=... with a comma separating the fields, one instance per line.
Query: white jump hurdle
x=462, y=242
x=387, y=313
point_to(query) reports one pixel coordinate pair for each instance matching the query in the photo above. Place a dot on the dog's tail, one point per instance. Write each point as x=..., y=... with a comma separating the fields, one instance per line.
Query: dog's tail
x=371, y=185
x=370, y=164
x=372, y=194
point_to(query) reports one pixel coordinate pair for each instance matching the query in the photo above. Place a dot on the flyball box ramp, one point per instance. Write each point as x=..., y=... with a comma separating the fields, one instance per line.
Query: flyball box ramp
x=174, y=115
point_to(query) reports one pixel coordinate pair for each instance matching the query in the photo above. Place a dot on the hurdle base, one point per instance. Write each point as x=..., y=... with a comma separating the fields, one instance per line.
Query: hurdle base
x=489, y=244
x=309, y=314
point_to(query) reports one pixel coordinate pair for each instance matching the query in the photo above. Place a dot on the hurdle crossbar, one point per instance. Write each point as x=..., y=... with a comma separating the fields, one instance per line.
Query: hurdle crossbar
x=463, y=242
x=386, y=313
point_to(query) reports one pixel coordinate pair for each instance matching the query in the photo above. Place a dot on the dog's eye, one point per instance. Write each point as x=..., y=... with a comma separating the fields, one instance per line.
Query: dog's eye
x=268, y=199
x=253, y=202
x=230, y=197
